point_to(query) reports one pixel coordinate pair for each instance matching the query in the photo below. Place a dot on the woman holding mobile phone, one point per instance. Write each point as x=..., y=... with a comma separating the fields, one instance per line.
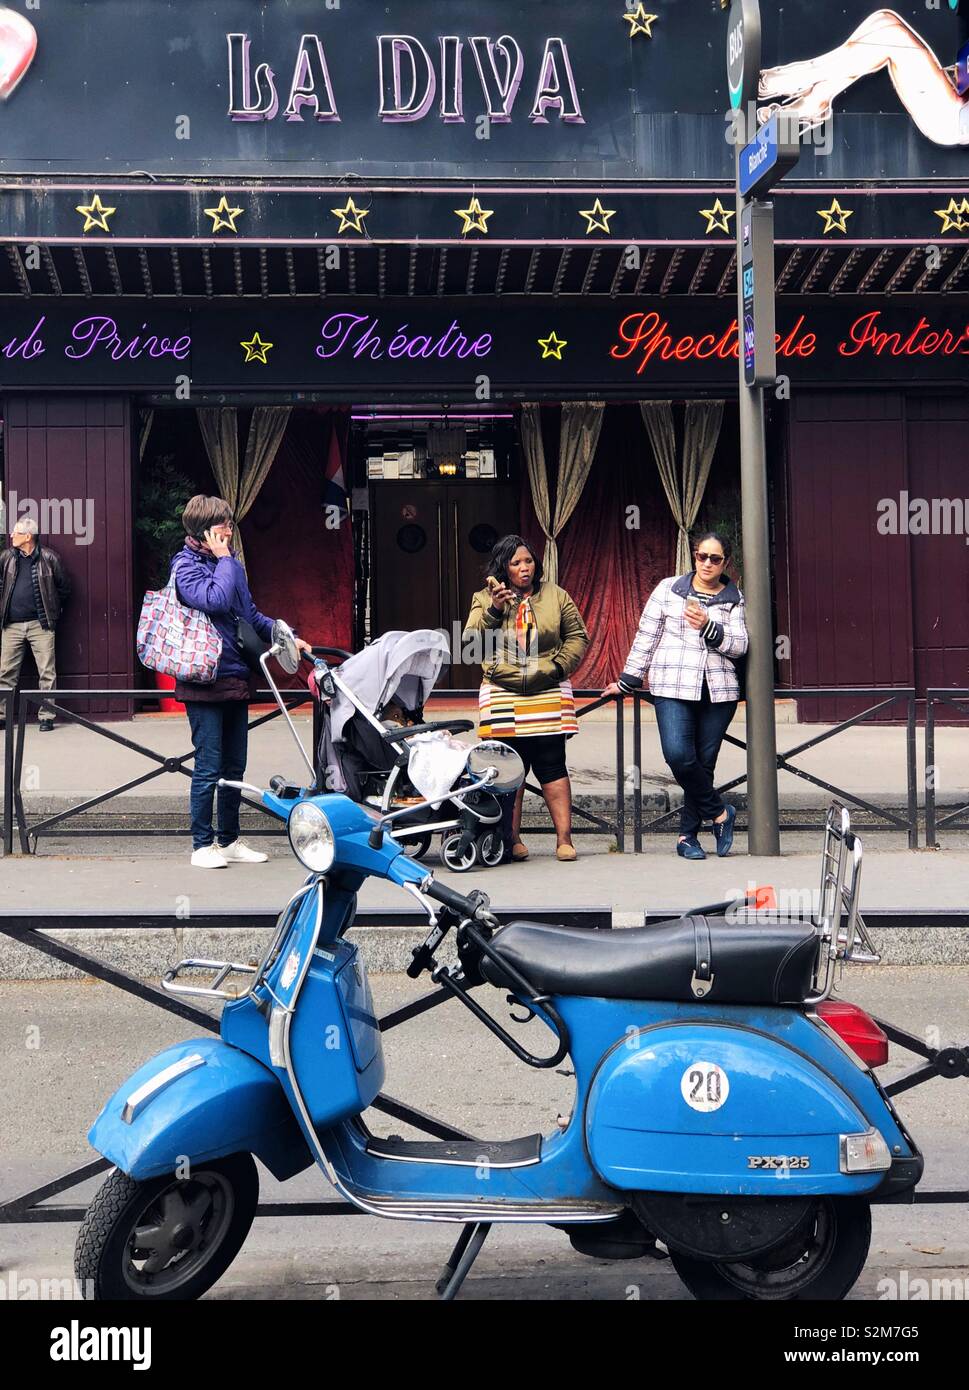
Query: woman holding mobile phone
x=533, y=638
x=691, y=634
x=209, y=577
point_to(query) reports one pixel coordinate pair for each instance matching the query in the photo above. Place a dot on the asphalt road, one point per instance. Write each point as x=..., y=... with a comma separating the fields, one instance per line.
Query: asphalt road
x=53, y=1081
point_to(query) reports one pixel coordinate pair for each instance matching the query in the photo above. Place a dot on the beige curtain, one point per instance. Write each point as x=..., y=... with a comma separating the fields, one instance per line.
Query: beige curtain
x=219, y=427
x=683, y=483
x=145, y=420
x=578, y=438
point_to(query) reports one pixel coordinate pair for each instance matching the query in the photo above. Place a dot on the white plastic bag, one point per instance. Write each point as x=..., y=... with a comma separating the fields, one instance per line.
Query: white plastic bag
x=436, y=762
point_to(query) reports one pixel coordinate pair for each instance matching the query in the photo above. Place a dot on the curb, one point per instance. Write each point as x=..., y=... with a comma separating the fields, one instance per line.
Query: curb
x=146, y=952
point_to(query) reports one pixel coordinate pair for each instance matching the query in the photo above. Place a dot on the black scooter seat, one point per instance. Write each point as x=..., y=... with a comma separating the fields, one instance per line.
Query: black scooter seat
x=687, y=958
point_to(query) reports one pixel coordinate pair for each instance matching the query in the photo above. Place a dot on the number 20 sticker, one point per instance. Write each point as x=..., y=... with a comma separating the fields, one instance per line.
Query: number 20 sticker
x=704, y=1086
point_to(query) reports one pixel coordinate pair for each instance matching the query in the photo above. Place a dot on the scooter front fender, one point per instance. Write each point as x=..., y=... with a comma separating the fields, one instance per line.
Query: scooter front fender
x=195, y=1101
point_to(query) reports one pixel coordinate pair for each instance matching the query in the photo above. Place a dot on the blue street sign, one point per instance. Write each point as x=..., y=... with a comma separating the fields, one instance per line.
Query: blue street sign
x=766, y=159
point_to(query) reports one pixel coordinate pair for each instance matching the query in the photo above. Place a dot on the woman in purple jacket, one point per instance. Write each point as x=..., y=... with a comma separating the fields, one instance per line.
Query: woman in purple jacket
x=209, y=577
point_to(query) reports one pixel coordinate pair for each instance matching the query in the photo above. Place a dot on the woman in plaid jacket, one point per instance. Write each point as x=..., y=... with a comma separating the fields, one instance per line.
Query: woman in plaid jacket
x=691, y=634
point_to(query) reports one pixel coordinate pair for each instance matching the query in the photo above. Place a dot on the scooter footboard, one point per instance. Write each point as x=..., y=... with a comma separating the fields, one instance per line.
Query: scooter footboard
x=196, y=1101
x=713, y=1108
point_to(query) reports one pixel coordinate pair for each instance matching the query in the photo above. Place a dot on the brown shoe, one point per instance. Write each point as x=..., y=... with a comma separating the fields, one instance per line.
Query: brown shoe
x=566, y=853
x=519, y=850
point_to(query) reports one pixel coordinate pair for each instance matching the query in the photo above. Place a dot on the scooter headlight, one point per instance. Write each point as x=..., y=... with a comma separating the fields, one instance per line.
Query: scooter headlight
x=311, y=837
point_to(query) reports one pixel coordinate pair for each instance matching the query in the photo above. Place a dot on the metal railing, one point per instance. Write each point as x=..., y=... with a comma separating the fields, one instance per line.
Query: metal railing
x=53, y=701
x=28, y=1207
x=588, y=821
x=946, y=1063
x=13, y=804
x=891, y=818
x=956, y=698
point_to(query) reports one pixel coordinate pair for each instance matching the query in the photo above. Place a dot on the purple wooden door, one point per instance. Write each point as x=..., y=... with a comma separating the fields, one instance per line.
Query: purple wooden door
x=937, y=432
x=76, y=450
x=850, y=589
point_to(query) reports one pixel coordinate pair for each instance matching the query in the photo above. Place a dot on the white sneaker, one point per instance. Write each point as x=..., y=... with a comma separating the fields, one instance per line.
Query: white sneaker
x=239, y=853
x=208, y=857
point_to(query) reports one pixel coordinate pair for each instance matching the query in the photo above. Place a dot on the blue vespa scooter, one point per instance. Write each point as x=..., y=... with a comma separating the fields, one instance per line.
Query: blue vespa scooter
x=724, y=1106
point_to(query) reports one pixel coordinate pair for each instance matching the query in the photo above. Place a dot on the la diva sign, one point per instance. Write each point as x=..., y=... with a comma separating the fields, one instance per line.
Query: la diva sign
x=414, y=80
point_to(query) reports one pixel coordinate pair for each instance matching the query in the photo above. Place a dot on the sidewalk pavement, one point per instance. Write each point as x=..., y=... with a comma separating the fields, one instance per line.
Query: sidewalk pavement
x=152, y=874
x=74, y=763
x=161, y=881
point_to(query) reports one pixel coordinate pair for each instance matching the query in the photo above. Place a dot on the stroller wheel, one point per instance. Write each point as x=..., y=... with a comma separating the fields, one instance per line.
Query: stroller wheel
x=414, y=846
x=453, y=859
x=491, y=848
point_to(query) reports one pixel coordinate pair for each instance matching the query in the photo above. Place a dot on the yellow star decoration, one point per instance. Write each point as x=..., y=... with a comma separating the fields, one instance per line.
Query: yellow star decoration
x=640, y=22
x=95, y=214
x=598, y=218
x=718, y=217
x=256, y=350
x=835, y=217
x=223, y=216
x=952, y=216
x=350, y=216
x=474, y=216
x=552, y=346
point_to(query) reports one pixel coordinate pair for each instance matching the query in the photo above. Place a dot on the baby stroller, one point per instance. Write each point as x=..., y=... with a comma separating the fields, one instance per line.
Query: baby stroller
x=375, y=710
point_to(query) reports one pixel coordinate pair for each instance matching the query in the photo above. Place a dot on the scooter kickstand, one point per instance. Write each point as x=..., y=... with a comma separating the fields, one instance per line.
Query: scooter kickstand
x=461, y=1259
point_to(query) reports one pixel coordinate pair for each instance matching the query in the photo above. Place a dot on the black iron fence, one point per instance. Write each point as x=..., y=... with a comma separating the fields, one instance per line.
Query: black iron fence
x=956, y=819
x=626, y=782
x=56, y=701
x=32, y=1207
x=883, y=817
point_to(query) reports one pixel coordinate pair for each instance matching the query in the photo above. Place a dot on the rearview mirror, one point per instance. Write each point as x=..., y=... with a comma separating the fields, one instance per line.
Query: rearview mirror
x=507, y=763
x=286, y=651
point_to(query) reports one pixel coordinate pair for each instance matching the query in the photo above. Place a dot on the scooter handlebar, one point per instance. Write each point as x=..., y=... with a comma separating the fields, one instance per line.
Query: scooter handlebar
x=469, y=906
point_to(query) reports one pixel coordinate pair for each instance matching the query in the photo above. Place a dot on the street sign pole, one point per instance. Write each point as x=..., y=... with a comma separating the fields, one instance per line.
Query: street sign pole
x=755, y=299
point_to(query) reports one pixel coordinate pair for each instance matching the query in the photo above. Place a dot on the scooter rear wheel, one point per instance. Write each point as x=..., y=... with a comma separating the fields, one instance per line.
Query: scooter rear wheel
x=167, y=1238
x=822, y=1261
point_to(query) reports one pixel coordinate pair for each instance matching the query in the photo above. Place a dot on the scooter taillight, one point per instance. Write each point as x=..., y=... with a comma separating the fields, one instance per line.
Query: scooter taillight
x=857, y=1029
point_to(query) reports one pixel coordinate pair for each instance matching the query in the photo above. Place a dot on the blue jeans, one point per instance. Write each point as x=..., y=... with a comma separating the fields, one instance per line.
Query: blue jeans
x=691, y=732
x=220, y=737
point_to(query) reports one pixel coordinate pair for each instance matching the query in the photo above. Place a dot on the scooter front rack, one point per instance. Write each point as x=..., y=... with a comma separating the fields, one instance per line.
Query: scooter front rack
x=215, y=989
x=254, y=970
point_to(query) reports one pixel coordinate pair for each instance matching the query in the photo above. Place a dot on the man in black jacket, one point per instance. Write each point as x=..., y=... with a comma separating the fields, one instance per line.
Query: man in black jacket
x=33, y=590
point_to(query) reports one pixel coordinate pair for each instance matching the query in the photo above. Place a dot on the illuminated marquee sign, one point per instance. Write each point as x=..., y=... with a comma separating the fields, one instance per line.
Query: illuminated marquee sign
x=645, y=338
x=462, y=90
x=357, y=350
x=411, y=80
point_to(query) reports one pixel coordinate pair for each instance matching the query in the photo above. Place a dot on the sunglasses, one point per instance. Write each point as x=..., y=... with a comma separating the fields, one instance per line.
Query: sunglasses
x=706, y=559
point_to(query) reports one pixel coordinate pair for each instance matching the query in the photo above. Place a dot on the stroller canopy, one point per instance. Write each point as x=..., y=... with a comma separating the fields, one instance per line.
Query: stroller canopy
x=399, y=665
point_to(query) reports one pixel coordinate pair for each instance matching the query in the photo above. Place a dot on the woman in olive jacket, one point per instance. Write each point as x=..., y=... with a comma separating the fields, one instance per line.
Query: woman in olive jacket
x=532, y=639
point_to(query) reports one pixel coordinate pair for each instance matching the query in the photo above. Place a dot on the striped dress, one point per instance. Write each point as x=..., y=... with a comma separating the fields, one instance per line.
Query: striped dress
x=503, y=714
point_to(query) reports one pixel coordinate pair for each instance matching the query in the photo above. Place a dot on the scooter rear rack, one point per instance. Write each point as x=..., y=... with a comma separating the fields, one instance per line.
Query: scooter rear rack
x=843, y=935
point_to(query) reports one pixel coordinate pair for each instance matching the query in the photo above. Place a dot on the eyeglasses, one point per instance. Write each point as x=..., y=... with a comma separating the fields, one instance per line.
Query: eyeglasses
x=706, y=559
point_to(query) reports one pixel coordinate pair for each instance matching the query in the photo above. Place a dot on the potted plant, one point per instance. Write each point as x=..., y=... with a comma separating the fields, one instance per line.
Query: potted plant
x=162, y=496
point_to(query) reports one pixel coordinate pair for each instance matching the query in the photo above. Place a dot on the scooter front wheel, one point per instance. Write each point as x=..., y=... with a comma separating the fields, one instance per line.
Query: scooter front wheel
x=822, y=1260
x=167, y=1238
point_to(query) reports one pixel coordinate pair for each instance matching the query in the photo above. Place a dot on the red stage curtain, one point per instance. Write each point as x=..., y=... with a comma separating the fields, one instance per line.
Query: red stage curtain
x=299, y=568
x=608, y=566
